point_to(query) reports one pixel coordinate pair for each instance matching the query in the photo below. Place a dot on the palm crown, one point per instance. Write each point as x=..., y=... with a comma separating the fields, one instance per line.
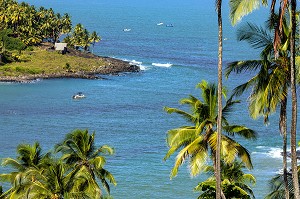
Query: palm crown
x=197, y=141
x=79, y=150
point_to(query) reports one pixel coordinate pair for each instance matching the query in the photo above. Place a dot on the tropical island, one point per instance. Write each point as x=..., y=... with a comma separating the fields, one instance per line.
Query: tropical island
x=30, y=46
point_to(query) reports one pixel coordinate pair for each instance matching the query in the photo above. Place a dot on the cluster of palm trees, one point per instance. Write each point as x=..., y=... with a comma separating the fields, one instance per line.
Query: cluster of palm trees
x=276, y=76
x=78, y=173
x=271, y=85
x=81, y=38
x=34, y=26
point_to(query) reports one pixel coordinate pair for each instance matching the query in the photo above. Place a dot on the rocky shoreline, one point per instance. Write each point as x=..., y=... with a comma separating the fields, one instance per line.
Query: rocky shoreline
x=112, y=66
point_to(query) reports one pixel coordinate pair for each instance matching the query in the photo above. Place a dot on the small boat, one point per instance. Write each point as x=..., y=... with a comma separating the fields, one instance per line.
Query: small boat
x=169, y=25
x=126, y=29
x=78, y=95
x=160, y=23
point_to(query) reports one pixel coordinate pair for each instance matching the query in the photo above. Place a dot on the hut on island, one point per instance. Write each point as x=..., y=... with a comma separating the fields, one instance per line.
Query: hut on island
x=61, y=47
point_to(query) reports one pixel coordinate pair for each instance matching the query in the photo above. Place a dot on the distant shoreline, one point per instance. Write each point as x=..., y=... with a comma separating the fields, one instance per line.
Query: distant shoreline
x=108, y=66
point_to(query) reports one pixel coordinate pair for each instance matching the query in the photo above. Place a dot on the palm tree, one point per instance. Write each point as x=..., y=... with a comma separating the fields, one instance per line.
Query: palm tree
x=94, y=37
x=234, y=182
x=270, y=85
x=29, y=157
x=277, y=187
x=219, y=120
x=85, y=40
x=239, y=8
x=294, y=102
x=198, y=141
x=59, y=180
x=78, y=150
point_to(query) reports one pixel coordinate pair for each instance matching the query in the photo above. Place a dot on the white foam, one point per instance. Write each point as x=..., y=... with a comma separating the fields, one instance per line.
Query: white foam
x=275, y=153
x=272, y=152
x=142, y=67
x=138, y=63
x=166, y=65
x=134, y=62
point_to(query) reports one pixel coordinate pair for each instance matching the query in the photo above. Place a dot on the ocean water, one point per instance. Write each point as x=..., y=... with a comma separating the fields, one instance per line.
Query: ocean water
x=126, y=111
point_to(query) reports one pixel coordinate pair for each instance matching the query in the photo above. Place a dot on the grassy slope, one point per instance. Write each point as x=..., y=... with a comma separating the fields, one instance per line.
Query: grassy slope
x=45, y=62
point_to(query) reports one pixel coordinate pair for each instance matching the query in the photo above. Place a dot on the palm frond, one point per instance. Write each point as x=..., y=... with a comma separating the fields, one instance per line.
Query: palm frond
x=241, y=131
x=185, y=153
x=231, y=149
x=239, y=90
x=179, y=138
x=240, y=8
x=98, y=162
x=242, y=66
x=256, y=36
x=228, y=108
x=106, y=150
x=13, y=163
x=187, y=116
x=197, y=162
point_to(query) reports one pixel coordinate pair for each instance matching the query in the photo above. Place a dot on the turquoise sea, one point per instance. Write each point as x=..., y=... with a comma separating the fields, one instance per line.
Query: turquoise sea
x=126, y=111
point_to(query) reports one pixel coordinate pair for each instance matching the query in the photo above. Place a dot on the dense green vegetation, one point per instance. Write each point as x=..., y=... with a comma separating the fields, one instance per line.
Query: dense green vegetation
x=23, y=26
x=77, y=173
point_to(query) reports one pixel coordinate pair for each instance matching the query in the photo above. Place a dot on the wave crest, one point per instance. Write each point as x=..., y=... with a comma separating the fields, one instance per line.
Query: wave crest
x=166, y=65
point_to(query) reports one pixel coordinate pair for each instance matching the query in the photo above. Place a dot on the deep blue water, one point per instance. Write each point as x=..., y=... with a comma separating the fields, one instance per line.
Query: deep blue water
x=126, y=111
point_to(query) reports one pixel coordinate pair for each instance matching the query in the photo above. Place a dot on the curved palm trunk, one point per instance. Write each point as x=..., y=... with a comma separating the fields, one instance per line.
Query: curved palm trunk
x=294, y=104
x=219, y=122
x=283, y=131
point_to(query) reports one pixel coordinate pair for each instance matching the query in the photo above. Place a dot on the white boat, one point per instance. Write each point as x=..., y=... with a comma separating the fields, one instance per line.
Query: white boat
x=78, y=95
x=126, y=29
x=169, y=25
x=160, y=23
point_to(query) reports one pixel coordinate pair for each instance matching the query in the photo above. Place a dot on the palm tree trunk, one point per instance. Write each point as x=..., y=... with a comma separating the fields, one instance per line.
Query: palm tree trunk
x=222, y=195
x=219, y=122
x=294, y=104
x=283, y=131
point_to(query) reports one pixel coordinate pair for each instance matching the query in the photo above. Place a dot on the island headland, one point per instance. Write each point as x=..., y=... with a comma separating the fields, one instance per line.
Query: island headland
x=45, y=63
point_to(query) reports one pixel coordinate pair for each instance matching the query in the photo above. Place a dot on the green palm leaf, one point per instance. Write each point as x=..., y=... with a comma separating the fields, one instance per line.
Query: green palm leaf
x=241, y=131
x=187, y=152
x=240, y=8
x=256, y=36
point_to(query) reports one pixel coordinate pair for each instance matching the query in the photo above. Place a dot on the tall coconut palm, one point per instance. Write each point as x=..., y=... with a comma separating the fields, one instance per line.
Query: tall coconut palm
x=239, y=8
x=197, y=142
x=270, y=85
x=235, y=183
x=220, y=85
x=79, y=150
x=294, y=102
